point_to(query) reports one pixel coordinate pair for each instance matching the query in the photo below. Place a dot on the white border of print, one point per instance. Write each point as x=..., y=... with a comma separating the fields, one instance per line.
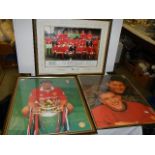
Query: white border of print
x=71, y=66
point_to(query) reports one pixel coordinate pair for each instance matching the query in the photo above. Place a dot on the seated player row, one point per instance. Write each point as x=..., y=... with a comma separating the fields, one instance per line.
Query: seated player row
x=76, y=42
x=65, y=49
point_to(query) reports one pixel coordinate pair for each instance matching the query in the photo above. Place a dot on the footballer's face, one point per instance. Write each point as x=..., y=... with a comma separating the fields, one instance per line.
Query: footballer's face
x=46, y=85
x=117, y=87
x=111, y=100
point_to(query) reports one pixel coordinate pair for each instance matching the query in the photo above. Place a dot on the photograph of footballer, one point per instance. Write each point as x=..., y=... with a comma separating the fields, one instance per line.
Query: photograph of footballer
x=71, y=46
x=114, y=102
x=48, y=106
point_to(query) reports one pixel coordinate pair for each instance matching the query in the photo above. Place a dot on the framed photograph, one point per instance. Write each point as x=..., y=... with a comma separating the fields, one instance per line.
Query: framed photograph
x=42, y=105
x=114, y=101
x=71, y=46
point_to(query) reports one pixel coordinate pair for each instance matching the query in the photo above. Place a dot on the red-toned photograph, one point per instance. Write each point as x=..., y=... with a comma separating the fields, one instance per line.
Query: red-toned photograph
x=62, y=43
x=114, y=102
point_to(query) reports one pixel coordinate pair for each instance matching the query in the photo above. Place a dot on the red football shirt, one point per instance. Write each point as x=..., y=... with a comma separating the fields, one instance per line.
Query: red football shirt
x=81, y=49
x=90, y=50
x=82, y=42
x=83, y=35
x=95, y=42
x=89, y=36
x=64, y=49
x=48, y=40
x=55, y=48
x=136, y=113
x=38, y=94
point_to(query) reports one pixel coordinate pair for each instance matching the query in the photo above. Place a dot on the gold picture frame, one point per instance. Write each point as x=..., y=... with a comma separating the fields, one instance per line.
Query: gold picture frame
x=77, y=121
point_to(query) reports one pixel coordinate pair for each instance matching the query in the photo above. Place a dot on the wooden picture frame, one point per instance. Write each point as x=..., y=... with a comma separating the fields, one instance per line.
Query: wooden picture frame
x=71, y=46
x=48, y=105
x=115, y=102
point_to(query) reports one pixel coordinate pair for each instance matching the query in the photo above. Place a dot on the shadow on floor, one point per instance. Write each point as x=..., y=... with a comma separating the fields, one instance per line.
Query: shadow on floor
x=4, y=106
x=8, y=79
